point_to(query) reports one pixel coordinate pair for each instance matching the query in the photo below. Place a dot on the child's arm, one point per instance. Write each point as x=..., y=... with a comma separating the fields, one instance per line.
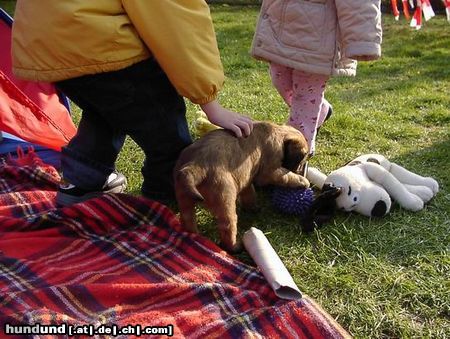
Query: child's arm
x=240, y=125
x=360, y=27
x=181, y=36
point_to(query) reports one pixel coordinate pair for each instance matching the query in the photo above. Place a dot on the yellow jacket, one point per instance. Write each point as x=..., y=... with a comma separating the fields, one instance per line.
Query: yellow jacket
x=56, y=40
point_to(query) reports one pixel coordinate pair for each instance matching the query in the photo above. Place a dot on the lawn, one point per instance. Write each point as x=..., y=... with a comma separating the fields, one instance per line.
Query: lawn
x=384, y=277
x=387, y=277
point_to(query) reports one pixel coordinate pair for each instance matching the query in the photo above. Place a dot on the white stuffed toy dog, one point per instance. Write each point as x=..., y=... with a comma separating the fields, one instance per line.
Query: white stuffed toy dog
x=370, y=181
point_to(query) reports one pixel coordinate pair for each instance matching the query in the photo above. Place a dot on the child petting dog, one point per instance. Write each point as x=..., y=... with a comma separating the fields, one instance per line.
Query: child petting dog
x=127, y=65
x=307, y=42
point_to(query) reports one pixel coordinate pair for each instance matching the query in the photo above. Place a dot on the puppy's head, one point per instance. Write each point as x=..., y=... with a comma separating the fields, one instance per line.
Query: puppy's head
x=295, y=150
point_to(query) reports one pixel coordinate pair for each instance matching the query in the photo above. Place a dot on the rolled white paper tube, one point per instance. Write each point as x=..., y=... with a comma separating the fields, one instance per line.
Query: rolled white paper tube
x=270, y=264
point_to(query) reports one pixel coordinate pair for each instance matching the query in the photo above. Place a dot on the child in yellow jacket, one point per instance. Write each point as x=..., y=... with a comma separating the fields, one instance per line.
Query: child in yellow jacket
x=127, y=64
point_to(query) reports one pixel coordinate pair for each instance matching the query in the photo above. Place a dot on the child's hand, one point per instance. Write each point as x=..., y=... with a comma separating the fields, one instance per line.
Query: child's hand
x=240, y=125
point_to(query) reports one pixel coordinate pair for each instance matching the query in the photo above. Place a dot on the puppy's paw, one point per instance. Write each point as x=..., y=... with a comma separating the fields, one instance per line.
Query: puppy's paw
x=233, y=249
x=295, y=181
x=303, y=182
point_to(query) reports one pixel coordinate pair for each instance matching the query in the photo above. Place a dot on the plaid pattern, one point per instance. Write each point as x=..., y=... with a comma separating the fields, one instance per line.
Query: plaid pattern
x=122, y=260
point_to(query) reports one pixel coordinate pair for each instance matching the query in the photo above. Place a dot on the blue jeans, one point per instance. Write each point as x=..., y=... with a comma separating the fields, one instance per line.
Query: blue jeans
x=138, y=101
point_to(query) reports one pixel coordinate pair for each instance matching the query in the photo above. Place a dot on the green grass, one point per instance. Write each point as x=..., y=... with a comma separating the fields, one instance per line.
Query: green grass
x=379, y=278
x=8, y=5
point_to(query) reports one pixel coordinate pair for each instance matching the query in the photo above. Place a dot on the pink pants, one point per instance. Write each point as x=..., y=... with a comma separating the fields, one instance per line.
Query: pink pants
x=304, y=94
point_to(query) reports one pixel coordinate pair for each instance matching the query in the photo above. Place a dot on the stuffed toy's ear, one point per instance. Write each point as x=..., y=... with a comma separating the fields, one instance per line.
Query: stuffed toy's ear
x=374, y=201
x=359, y=192
x=322, y=209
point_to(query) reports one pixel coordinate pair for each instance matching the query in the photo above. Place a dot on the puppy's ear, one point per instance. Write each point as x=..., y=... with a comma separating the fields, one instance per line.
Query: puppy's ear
x=294, y=152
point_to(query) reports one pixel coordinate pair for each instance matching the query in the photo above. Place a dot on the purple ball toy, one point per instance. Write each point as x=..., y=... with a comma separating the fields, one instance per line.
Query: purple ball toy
x=296, y=201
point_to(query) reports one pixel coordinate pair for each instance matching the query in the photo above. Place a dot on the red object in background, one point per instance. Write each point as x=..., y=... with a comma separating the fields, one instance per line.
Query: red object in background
x=447, y=8
x=427, y=10
x=32, y=111
x=406, y=9
x=395, y=9
x=417, y=16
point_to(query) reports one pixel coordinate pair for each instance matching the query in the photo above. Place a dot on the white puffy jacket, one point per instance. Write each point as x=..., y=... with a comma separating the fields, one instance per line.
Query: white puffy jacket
x=318, y=36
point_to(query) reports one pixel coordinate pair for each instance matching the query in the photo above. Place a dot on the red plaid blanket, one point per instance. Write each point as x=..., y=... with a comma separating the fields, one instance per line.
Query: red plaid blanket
x=121, y=266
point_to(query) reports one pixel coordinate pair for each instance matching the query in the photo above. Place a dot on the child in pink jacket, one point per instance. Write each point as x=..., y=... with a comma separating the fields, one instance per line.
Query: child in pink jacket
x=308, y=41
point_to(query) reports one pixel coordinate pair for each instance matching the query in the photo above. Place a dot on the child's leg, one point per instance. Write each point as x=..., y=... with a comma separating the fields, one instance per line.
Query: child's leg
x=282, y=80
x=156, y=120
x=138, y=101
x=307, y=104
x=160, y=128
x=89, y=158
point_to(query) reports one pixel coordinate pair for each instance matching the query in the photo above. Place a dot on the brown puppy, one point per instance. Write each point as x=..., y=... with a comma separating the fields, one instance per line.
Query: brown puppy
x=219, y=168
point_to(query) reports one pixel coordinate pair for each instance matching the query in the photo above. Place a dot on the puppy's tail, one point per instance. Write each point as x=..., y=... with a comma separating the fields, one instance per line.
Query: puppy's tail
x=189, y=178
